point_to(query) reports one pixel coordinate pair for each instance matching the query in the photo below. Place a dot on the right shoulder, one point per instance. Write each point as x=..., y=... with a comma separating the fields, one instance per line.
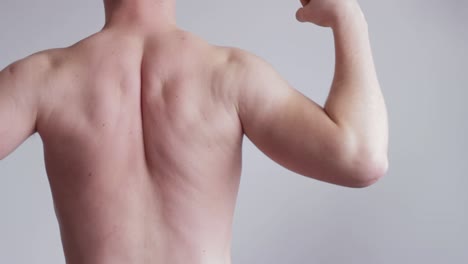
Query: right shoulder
x=251, y=76
x=249, y=69
x=243, y=68
x=243, y=59
x=233, y=72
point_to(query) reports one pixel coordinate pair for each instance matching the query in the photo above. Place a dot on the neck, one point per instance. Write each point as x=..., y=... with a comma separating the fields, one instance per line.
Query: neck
x=151, y=13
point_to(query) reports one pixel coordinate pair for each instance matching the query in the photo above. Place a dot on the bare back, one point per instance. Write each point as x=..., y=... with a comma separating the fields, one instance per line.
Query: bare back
x=143, y=131
x=143, y=149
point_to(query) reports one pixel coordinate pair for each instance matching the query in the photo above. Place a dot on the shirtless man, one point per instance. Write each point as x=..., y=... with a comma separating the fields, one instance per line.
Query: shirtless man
x=142, y=125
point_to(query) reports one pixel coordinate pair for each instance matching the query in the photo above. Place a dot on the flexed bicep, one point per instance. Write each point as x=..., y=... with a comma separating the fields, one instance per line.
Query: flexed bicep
x=296, y=132
x=290, y=128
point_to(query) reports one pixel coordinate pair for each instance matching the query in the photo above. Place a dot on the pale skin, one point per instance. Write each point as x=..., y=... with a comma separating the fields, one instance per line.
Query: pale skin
x=143, y=123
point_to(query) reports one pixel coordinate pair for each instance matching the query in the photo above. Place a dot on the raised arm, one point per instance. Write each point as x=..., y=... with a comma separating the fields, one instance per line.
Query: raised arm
x=19, y=100
x=344, y=143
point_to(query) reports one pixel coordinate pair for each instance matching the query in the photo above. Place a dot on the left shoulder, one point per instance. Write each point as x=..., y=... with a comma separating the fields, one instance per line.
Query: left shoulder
x=21, y=90
x=33, y=70
x=29, y=80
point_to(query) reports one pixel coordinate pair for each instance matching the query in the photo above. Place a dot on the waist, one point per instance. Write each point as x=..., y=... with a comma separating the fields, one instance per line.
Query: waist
x=128, y=245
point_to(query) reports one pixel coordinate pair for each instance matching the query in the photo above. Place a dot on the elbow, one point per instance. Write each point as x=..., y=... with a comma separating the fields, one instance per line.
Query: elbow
x=361, y=166
x=361, y=174
x=363, y=163
x=368, y=173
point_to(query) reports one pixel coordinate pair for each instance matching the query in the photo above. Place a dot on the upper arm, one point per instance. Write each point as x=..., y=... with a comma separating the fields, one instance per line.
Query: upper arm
x=19, y=101
x=288, y=127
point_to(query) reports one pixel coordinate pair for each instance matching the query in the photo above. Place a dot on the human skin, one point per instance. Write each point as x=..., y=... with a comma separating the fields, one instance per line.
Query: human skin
x=143, y=123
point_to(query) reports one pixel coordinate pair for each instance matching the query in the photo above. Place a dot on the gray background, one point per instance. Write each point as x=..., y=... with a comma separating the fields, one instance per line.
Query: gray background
x=417, y=214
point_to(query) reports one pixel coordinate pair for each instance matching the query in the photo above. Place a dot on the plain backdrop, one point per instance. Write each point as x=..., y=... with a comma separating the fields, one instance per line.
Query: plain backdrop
x=418, y=213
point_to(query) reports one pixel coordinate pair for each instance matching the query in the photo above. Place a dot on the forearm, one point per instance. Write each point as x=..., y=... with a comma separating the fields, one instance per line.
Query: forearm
x=355, y=101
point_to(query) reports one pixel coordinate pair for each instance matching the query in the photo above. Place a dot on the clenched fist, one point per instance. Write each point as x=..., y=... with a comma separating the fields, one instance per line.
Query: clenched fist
x=327, y=13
